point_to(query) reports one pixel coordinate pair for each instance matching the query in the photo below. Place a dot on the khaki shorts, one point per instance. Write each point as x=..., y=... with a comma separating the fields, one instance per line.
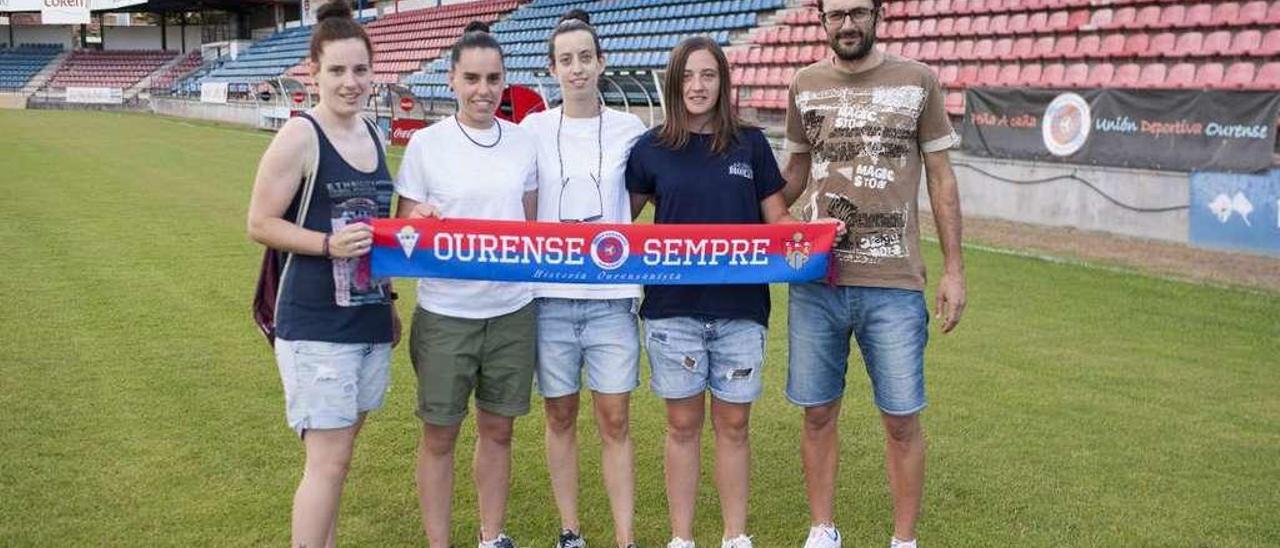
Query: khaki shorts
x=453, y=356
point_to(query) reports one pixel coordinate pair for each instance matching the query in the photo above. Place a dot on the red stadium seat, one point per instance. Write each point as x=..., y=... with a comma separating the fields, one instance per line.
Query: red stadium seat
x=911, y=50
x=1065, y=47
x=1124, y=18
x=1268, y=77
x=784, y=35
x=1161, y=45
x=1008, y=76
x=1147, y=17
x=1188, y=44
x=1100, y=75
x=1076, y=75
x=895, y=29
x=927, y=7
x=988, y=75
x=1003, y=49
x=753, y=58
x=1181, y=75
x=1029, y=75
x=929, y=28
x=947, y=26
x=1000, y=25
x=928, y=51
x=806, y=54
x=1199, y=15
x=967, y=76
x=896, y=9
x=1152, y=76
x=1038, y=22
x=947, y=75
x=981, y=26
x=1053, y=75
x=1270, y=44
x=1126, y=76
x=1078, y=19
x=1112, y=46
x=1017, y=24
x=964, y=50
x=1252, y=13
x=1172, y=16
x=1088, y=46
x=983, y=49
x=1101, y=18
x=1225, y=14
x=1210, y=75
x=893, y=48
x=946, y=50
x=813, y=35
x=1136, y=45
x=1244, y=43
x=1043, y=48
x=955, y=103
x=1239, y=75
x=1059, y=21
x=1217, y=43
x=911, y=29
x=912, y=8
x=964, y=26
x=1024, y=48
x=960, y=6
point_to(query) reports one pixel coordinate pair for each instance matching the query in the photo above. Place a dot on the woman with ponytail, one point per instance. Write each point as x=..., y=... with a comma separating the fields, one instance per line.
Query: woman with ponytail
x=582, y=157
x=322, y=178
x=468, y=335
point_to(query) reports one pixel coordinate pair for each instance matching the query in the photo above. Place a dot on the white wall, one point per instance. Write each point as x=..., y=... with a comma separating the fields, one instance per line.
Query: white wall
x=118, y=38
x=44, y=34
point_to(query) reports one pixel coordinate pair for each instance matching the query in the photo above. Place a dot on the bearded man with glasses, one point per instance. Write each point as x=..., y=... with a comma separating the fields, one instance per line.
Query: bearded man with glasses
x=860, y=128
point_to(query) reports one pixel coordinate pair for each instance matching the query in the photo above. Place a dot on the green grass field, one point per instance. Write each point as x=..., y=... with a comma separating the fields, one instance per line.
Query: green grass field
x=140, y=407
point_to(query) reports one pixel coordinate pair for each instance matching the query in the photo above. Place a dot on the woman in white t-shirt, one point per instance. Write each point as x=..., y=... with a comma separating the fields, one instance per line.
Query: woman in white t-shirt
x=470, y=336
x=582, y=158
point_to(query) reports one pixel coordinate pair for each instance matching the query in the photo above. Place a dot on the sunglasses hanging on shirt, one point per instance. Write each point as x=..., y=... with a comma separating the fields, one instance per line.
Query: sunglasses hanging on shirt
x=588, y=215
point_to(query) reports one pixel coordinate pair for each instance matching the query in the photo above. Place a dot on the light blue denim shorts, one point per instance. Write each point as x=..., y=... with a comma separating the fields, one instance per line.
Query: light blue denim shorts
x=891, y=328
x=328, y=385
x=689, y=355
x=598, y=335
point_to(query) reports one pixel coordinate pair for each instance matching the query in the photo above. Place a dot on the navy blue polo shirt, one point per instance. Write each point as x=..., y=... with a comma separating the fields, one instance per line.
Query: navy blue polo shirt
x=694, y=185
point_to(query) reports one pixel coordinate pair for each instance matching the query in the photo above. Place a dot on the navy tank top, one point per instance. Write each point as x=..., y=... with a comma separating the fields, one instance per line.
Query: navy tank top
x=308, y=307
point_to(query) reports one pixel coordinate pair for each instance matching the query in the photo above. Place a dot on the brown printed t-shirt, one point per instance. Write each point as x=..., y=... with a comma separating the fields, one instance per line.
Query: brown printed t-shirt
x=866, y=132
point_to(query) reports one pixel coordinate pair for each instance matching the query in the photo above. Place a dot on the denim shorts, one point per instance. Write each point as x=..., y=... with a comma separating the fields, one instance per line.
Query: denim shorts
x=328, y=385
x=891, y=328
x=596, y=334
x=689, y=355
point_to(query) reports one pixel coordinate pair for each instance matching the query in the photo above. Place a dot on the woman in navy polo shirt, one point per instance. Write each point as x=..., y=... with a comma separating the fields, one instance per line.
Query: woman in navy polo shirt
x=704, y=165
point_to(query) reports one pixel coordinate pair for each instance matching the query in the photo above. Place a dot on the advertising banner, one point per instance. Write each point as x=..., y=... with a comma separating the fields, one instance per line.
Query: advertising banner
x=213, y=92
x=1178, y=130
x=1231, y=211
x=101, y=96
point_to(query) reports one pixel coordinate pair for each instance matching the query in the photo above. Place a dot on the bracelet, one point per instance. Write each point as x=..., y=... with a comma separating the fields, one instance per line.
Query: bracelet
x=325, y=250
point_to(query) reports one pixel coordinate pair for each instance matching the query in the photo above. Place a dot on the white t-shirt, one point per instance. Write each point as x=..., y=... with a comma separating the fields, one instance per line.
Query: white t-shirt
x=442, y=167
x=581, y=142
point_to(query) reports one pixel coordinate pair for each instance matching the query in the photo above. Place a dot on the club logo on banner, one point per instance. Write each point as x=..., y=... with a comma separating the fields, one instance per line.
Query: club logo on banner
x=1066, y=124
x=591, y=253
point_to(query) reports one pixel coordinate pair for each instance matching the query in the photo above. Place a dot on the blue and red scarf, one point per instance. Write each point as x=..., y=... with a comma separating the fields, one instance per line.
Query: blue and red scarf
x=590, y=253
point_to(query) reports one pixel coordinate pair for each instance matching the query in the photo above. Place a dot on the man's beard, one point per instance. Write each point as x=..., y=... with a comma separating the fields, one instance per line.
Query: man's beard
x=865, y=43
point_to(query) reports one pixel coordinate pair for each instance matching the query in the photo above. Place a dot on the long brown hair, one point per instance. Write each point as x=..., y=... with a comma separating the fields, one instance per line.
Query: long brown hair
x=674, y=133
x=334, y=22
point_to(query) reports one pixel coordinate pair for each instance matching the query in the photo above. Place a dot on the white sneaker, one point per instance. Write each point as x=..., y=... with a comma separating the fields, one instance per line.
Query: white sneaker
x=895, y=543
x=823, y=536
x=740, y=541
x=677, y=542
x=503, y=541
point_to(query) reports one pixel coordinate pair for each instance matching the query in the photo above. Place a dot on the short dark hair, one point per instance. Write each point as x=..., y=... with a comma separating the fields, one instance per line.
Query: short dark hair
x=573, y=20
x=476, y=36
x=875, y=4
x=334, y=21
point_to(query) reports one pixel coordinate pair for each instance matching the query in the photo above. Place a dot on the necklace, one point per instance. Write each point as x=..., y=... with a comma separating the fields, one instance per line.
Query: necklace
x=595, y=178
x=473, y=141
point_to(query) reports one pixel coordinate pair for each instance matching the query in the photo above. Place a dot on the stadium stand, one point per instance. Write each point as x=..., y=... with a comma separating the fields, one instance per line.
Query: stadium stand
x=169, y=76
x=265, y=59
x=637, y=34
x=19, y=64
x=404, y=41
x=1038, y=43
x=113, y=69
